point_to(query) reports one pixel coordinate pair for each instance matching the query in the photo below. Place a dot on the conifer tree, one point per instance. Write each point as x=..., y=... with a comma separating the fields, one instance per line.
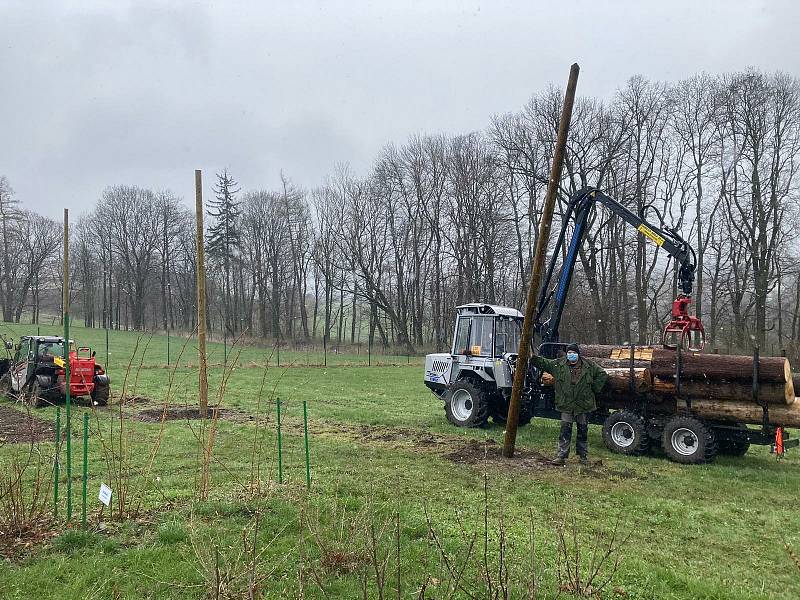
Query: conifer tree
x=223, y=239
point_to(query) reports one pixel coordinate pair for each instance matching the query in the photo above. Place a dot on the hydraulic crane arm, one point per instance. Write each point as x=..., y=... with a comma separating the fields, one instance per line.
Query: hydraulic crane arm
x=579, y=210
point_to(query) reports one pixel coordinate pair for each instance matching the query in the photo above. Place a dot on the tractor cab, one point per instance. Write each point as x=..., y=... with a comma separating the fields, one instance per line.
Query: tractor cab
x=485, y=342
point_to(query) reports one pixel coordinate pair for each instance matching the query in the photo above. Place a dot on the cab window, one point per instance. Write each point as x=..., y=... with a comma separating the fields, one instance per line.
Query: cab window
x=22, y=351
x=462, y=336
x=482, y=335
x=507, y=335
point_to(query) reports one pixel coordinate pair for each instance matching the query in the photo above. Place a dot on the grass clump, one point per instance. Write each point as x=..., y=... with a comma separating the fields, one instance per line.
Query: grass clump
x=75, y=540
x=172, y=532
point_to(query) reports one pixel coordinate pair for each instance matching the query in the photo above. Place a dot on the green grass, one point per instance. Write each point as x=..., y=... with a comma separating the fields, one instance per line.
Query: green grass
x=714, y=531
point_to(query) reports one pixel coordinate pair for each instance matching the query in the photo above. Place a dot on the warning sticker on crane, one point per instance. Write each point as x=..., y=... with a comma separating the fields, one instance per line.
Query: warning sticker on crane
x=650, y=234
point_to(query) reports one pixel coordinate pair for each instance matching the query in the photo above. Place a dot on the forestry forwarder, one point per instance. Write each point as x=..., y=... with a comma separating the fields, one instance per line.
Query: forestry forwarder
x=36, y=372
x=475, y=378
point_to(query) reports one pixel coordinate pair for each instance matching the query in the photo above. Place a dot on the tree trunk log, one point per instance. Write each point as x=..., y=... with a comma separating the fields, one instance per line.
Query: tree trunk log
x=786, y=416
x=712, y=376
x=721, y=367
x=605, y=351
x=772, y=393
x=618, y=381
x=618, y=363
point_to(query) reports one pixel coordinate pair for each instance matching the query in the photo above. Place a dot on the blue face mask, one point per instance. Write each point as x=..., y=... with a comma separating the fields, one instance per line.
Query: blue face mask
x=572, y=357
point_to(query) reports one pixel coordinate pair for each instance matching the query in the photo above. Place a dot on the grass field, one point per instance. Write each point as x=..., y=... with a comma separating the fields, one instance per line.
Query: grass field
x=397, y=495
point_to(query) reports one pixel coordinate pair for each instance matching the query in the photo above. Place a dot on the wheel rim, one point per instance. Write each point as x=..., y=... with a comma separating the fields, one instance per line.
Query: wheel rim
x=461, y=405
x=622, y=434
x=685, y=441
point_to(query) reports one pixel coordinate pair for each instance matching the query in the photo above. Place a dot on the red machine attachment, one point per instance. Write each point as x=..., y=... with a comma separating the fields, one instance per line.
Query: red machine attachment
x=683, y=329
x=82, y=369
x=778, y=447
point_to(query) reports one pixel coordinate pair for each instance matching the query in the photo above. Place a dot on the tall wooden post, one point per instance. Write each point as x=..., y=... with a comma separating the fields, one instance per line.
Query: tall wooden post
x=538, y=264
x=201, y=293
x=65, y=307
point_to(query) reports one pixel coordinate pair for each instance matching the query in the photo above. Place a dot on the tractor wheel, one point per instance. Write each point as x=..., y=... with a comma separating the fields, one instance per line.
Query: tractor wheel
x=5, y=384
x=34, y=395
x=466, y=404
x=733, y=447
x=689, y=441
x=525, y=409
x=101, y=394
x=625, y=432
x=500, y=412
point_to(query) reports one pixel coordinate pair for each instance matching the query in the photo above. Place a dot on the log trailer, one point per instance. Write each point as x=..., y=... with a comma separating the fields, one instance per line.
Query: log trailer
x=638, y=412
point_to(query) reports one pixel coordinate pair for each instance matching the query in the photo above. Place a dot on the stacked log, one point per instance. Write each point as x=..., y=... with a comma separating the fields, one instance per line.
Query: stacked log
x=618, y=381
x=747, y=412
x=715, y=386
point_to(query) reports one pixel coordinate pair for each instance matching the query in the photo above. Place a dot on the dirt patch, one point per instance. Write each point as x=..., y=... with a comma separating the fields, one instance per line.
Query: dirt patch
x=184, y=413
x=16, y=545
x=489, y=453
x=475, y=452
x=465, y=451
x=18, y=427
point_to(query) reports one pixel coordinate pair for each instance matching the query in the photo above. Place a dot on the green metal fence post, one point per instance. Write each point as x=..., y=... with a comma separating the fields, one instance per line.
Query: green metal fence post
x=308, y=454
x=56, y=463
x=85, y=465
x=280, y=442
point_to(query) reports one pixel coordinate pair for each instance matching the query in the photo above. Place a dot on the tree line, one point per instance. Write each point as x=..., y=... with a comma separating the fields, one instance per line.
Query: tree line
x=441, y=220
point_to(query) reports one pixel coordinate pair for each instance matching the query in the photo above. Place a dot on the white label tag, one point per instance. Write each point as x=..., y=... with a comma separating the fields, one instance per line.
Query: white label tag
x=105, y=494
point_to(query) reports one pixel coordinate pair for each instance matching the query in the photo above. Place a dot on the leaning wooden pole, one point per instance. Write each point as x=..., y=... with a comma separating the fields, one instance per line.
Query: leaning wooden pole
x=201, y=294
x=538, y=264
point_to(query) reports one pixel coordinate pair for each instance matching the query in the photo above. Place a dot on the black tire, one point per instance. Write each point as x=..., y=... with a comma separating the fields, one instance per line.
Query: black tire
x=525, y=410
x=33, y=395
x=5, y=384
x=100, y=394
x=625, y=432
x=499, y=411
x=730, y=444
x=689, y=441
x=467, y=404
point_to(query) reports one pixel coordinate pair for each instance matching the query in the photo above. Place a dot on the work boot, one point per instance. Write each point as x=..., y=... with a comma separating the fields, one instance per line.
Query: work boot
x=559, y=461
x=585, y=460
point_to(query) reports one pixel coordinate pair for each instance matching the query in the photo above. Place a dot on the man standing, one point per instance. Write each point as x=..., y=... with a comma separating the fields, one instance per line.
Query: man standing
x=577, y=380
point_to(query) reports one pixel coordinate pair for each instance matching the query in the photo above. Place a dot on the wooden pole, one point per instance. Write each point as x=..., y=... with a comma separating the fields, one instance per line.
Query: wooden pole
x=68, y=401
x=538, y=264
x=201, y=293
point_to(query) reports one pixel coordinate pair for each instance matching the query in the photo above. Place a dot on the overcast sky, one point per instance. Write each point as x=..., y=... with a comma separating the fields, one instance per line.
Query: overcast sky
x=100, y=93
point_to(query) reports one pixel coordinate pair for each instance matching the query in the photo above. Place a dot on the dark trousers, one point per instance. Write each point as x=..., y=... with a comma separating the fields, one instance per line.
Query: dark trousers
x=565, y=438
